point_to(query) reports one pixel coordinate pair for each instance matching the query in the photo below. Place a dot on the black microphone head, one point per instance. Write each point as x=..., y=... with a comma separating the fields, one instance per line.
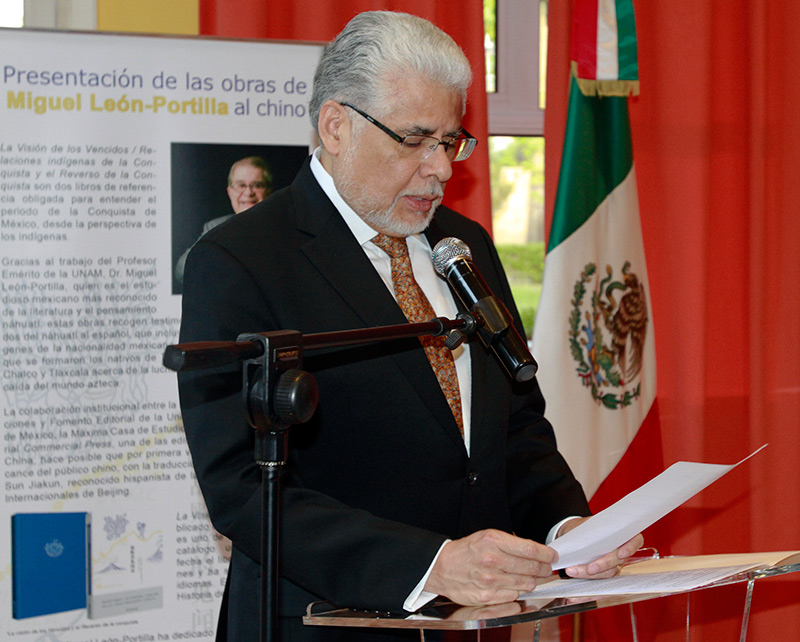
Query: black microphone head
x=448, y=250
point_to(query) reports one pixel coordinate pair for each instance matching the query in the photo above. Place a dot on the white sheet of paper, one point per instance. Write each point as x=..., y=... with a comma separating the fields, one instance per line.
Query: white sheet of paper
x=609, y=529
x=666, y=582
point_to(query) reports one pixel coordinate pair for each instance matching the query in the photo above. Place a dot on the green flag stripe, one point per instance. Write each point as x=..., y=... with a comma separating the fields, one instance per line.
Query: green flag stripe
x=597, y=157
x=626, y=41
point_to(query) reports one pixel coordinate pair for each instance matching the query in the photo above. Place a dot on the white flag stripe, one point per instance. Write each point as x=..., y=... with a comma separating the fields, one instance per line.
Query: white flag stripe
x=607, y=41
x=591, y=437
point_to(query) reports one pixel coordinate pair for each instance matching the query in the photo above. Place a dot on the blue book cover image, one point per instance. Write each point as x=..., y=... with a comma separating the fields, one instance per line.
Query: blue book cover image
x=50, y=562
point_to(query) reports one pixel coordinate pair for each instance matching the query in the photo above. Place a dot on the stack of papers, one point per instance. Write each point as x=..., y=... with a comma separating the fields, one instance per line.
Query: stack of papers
x=665, y=575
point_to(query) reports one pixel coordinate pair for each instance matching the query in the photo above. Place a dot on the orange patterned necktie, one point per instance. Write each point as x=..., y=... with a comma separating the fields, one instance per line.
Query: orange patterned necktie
x=417, y=308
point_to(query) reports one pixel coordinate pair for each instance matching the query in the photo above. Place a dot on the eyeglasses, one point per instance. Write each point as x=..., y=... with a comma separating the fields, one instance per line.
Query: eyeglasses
x=240, y=186
x=420, y=146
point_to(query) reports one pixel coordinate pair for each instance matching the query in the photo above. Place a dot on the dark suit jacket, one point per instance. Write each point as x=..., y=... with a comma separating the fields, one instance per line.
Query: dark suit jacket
x=380, y=476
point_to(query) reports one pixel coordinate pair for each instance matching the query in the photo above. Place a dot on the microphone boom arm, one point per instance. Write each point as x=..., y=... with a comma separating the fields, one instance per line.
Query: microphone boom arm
x=200, y=355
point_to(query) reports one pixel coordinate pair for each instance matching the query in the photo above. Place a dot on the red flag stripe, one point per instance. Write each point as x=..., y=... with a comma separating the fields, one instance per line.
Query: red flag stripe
x=584, y=37
x=643, y=457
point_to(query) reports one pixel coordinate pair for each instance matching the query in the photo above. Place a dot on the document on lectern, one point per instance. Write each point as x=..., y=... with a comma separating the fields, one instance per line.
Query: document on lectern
x=664, y=575
x=609, y=529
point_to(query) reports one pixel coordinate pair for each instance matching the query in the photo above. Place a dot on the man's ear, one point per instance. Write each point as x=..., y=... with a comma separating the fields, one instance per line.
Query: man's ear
x=333, y=127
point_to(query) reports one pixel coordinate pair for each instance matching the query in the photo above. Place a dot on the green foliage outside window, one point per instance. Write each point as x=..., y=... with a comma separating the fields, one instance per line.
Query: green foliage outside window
x=524, y=265
x=523, y=262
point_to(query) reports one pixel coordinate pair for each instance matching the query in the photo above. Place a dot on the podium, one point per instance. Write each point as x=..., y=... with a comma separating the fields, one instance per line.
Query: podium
x=447, y=616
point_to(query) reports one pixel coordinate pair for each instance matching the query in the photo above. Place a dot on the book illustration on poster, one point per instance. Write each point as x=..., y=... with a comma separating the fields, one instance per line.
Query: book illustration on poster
x=127, y=556
x=50, y=562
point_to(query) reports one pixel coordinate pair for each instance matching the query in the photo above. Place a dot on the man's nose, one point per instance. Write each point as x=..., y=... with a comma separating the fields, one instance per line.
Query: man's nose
x=438, y=164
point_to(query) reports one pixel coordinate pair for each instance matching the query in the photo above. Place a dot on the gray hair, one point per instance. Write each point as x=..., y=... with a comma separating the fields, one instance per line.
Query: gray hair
x=357, y=64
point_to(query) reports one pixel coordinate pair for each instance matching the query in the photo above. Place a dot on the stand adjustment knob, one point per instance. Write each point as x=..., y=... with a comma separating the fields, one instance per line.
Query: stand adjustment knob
x=454, y=339
x=296, y=396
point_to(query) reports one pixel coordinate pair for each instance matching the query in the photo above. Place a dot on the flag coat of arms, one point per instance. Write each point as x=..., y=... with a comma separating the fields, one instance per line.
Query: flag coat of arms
x=593, y=336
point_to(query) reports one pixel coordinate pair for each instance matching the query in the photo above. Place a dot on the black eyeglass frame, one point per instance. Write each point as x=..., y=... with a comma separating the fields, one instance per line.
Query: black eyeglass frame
x=464, y=135
x=241, y=186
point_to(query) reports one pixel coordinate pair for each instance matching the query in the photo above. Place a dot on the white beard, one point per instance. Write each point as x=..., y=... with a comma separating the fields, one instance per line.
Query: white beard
x=388, y=223
x=358, y=196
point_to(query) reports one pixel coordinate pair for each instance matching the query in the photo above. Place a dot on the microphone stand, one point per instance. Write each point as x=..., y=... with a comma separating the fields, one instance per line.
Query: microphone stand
x=278, y=393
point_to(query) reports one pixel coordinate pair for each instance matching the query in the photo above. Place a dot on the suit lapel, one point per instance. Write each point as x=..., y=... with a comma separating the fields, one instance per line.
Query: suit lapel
x=333, y=250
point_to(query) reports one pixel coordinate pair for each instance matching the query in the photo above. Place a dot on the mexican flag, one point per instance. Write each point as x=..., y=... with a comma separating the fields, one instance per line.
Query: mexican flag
x=593, y=336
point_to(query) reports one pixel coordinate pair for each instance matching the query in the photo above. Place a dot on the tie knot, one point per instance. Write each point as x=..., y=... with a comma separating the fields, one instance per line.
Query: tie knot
x=394, y=246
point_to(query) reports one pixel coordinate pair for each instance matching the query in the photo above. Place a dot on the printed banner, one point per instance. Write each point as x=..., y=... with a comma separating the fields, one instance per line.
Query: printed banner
x=115, y=154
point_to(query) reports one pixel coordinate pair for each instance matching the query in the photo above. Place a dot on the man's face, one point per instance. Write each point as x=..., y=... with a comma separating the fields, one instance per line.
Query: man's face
x=243, y=191
x=398, y=196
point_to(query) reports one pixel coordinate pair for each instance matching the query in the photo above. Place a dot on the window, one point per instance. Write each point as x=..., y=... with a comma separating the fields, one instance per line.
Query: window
x=11, y=13
x=516, y=44
x=55, y=14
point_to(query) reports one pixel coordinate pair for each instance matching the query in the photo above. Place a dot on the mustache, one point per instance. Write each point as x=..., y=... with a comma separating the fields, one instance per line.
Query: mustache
x=434, y=189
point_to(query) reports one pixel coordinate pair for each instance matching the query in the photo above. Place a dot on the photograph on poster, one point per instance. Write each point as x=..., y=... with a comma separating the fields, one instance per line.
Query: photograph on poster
x=212, y=182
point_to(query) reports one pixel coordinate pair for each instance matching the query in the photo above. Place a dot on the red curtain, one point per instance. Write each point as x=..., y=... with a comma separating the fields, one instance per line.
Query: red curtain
x=320, y=20
x=715, y=147
x=715, y=136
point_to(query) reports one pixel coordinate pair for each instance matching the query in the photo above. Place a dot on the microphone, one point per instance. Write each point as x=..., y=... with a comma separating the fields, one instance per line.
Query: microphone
x=452, y=260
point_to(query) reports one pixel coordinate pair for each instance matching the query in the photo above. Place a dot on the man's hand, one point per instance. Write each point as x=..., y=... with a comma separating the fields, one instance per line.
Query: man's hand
x=489, y=567
x=606, y=566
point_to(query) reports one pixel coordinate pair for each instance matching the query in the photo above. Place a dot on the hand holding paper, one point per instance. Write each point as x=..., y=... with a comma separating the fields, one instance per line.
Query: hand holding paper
x=606, y=566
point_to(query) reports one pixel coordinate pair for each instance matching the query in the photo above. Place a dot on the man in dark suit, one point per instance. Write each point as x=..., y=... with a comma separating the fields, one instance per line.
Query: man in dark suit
x=395, y=492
